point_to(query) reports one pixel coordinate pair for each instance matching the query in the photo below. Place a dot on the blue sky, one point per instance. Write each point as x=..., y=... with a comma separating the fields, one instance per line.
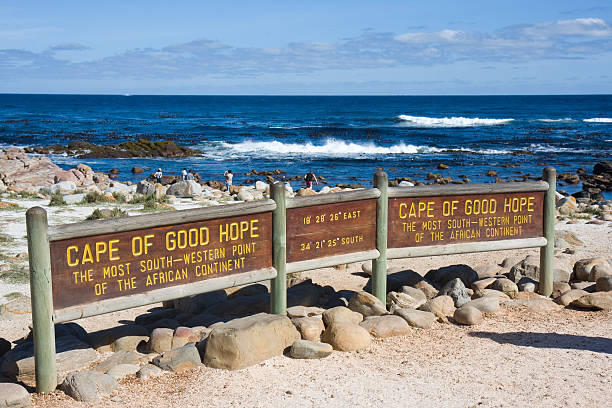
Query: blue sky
x=306, y=47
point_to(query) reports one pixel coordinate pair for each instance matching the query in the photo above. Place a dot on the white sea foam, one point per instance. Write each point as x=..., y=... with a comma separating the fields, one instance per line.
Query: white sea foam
x=338, y=148
x=556, y=120
x=425, y=121
x=598, y=120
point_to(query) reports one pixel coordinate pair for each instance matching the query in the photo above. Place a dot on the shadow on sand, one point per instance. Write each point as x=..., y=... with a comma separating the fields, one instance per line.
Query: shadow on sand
x=550, y=340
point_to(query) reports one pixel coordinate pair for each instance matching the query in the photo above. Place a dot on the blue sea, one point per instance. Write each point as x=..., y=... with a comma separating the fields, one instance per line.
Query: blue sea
x=343, y=138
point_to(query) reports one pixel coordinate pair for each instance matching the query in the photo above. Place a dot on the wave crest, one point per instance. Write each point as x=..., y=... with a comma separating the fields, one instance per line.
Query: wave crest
x=455, y=121
x=598, y=120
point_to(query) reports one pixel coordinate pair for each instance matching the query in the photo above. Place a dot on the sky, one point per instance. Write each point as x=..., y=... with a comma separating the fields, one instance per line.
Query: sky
x=306, y=47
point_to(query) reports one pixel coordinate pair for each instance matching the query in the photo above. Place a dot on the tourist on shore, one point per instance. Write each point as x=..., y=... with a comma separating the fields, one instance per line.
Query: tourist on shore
x=158, y=175
x=184, y=174
x=309, y=178
x=190, y=176
x=229, y=177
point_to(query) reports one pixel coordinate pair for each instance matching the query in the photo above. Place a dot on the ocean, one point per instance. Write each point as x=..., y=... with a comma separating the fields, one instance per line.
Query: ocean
x=343, y=138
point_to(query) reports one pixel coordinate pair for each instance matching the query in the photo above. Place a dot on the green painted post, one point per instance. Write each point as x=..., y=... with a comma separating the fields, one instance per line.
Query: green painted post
x=547, y=253
x=278, y=295
x=379, y=265
x=42, y=300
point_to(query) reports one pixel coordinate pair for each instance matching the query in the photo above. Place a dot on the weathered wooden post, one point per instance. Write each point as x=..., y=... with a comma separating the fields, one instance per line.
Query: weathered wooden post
x=278, y=295
x=547, y=252
x=42, y=300
x=379, y=265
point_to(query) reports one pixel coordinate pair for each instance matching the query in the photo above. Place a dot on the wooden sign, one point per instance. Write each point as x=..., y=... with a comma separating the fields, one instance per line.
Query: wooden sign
x=331, y=229
x=424, y=221
x=107, y=266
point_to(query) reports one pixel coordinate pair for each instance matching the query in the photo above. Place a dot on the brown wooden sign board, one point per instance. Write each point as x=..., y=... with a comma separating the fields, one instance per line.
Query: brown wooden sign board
x=425, y=221
x=94, y=268
x=331, y=229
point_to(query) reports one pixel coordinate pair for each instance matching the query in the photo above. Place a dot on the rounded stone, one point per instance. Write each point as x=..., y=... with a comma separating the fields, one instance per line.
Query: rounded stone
x=14, y=396
x=346, y=337
x=468, y=315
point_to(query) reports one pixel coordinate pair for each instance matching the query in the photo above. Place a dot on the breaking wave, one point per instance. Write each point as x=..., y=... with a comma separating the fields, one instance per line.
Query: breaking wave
x=556, y=120
x=598, y=120
x=339, y=148
x=459, y=121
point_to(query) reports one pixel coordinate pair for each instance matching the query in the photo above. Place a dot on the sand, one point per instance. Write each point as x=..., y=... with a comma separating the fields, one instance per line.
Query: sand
x=514, y=358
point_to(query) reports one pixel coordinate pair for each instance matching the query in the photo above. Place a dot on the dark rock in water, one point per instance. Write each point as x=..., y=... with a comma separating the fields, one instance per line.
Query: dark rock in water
x=442, y=166
x=140, y=148
x=114, y=171
x=603, y=167
x=137, y=170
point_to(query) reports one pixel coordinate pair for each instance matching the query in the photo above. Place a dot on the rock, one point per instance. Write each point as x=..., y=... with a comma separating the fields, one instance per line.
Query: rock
x=569, y=237
x=366, y=304
x=246, y=341
x=490, y=292
x=385, y=326
x=346, y=336
x=425, y=287
x=603, y=284
x=184, y=335
x=5, y=346
x=510, y=261
x=120, y=357
x=567, y=206
x=126, y=337
x=505, y=285
x=568, y=297
x=540, y=305
x=441, y=306
x=485, y=271
x=71, y=355
x=405, y=301
x=482, y=283
x=527, y=295
x=527, y=286
x=179, y=359
x=261, y=186
x=366, y=267
x=468, y=315
x=121, y=371
x=304, y=311
x=559, y=288
x=306, y=349
x=197, y=303
x=88, y=386
x=149, y=371
x=160, y=340
x=185, y=189
x=597, y=300
x=416, y=318
x=442, y=276
x=19, y=171
x=17, y=309
x=255, y=289
x=599, y=271
x=145, y=188
x=341, y=314
x=13, y=396
x=137, y=170
x=487, y=304
x=582, y=268
x=456, y=289
x=311, y=327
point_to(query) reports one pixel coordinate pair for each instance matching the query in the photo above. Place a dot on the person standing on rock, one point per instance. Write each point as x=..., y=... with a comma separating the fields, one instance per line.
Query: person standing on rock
x=229, y=177
x=184, y=174
x=158, y=175
x=309, y=178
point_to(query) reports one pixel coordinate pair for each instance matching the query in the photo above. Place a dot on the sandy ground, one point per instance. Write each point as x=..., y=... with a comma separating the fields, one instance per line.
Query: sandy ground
x=514, y=358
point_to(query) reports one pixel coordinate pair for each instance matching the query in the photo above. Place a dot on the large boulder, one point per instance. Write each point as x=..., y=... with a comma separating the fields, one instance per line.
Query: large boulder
x=441, y=306
x=468, y=315
x=568, y=297
x=346, y=336
x=20, y=171
x=13, y=396
x=599, y=271
x=186, y=189
x=71, y=354
x=88, y=386
x=249, y=340
x=597, y=300
x=582, y=267
x=367, y=304
x=416, y=318
x=311, y=327
x=145, y=188
x=457, y=290
x=604, y=284
x=487, y=304
x=385, y=326
x=341, y=314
